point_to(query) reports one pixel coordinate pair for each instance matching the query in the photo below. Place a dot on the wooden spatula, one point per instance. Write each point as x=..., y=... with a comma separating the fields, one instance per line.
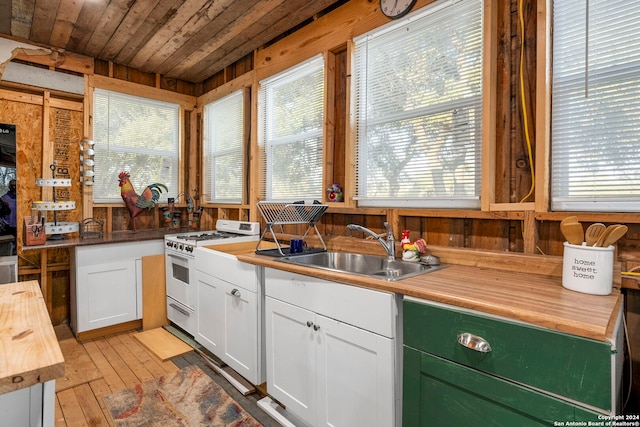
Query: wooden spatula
x=569, y=219
x=605, y=235
x=572, y=230
x=615, y=235
x=593, y=233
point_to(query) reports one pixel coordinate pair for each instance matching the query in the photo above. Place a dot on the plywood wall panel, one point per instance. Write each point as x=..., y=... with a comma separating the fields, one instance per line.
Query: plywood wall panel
x=28, y=121
x=65, y=134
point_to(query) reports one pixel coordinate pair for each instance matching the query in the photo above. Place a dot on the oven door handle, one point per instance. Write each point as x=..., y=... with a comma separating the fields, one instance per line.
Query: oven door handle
x=178, y=257
x=179, y=309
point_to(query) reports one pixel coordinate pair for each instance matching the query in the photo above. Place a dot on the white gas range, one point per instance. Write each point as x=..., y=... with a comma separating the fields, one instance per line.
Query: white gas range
x=179, y=258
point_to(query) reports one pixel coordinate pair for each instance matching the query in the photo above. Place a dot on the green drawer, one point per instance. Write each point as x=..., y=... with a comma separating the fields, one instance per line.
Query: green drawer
x=441, y=393
x=570, y=366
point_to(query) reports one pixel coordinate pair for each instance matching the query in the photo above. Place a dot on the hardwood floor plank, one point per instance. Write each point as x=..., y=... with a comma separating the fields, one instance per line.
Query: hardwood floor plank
x=121, y=359
x=58, y=415
x=100, y=388
x=109, y=374
x=71, y=410
x=90, y=407
x=157, y=367
x=79, y=368
x=132, y=362
x=119, y=366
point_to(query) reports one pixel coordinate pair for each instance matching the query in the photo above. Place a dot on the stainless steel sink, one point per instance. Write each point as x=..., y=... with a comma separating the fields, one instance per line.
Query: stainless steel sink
x=361, y=264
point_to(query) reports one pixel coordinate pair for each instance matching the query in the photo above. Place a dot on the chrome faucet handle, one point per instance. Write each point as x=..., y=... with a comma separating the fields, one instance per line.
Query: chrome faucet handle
x=390, y=246
x=389, y=231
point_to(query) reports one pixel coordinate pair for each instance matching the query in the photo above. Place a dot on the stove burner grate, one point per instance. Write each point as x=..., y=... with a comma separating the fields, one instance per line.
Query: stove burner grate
x=214, y=235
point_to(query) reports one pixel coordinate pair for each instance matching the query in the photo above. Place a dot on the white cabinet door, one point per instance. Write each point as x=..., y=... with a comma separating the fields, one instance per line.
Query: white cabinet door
x=241, y=330
x=106, y=283
x=330, y=360
x=210, y=327
x=108, y=295
x=228, y=324
x=355, y=376
x=24, y=408
x=291, y=357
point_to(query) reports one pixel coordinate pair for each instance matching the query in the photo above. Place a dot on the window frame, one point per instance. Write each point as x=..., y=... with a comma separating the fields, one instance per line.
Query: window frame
x=564, y=202
x=485, y=147
x=265, y=191
x=207, y=199
x=155, y=95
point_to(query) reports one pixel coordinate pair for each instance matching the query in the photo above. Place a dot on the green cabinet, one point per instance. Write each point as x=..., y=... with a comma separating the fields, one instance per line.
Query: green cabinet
x=530, y=376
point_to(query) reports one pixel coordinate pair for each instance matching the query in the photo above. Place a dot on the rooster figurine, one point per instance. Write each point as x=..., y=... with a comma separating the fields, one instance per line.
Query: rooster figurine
x=137, y=203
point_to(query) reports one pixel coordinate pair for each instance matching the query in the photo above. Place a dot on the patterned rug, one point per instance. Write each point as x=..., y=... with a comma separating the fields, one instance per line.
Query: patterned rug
x=185, y=398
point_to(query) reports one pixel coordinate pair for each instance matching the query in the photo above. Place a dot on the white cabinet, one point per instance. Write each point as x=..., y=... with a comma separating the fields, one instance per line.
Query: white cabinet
x=228, y=313
x=331, y=350
x=29, y=407
x=107, y=283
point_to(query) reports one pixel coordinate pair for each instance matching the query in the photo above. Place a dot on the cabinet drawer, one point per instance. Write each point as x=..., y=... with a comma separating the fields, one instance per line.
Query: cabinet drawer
x=227, y=267
x=441, y=393
x=567, y=365
x=368, y=309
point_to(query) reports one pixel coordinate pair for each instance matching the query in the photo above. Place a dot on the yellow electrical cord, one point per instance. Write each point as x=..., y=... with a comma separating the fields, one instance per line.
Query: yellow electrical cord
x=524, y=112
x=524, y=104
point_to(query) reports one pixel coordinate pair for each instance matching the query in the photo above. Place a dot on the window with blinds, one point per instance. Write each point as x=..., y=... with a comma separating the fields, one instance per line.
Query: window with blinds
x=291, y=116
x=595, y=118
x=223, y=162
x=137, y=135
x=418, y=93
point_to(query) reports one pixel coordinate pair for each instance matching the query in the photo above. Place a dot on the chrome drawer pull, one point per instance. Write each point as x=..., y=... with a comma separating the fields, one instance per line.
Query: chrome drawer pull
x=235, y=292
x=179, y=309
x=474, y=342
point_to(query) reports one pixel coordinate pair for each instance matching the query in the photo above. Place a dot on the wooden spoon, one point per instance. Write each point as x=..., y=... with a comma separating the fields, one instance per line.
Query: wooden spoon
x=615, y=235
x=572, y=231
x=605, y=235
x=593, y=233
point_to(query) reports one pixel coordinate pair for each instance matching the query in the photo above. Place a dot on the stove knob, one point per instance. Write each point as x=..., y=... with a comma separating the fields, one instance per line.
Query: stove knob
x=181, y=247
x=189, y=248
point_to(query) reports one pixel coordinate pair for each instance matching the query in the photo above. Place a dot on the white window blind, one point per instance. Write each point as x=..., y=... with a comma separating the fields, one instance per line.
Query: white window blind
x=137, y=135
x=223, y=160
x=418, y=92
x=291, y=108
x=595, y=130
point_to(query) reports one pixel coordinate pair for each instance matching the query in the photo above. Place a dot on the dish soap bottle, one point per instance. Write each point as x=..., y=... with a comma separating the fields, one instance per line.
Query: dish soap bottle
x=404, y=240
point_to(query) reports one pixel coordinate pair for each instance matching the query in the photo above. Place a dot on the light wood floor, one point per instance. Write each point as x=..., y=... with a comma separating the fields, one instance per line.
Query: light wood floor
x=99, y=367
x=119, y=361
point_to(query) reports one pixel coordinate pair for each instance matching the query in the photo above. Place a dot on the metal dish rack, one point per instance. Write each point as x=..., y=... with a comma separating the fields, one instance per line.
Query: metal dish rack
x=287, y=214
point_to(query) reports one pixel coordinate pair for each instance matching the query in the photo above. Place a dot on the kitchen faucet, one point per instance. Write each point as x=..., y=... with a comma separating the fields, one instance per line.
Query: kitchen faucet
x=389, y=245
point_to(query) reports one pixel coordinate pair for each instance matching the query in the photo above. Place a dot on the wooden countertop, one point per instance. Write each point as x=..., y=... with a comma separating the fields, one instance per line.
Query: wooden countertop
x=538, y=299
x=29, y=350
x=115, y=237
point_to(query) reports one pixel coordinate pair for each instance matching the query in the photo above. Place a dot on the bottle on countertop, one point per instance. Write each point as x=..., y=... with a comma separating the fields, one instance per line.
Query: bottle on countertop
x=404, y=240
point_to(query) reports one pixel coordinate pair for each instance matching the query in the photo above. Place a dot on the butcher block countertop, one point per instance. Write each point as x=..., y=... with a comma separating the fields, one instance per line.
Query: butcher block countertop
x=522, y=295
x=29, y=350
x=115, y=237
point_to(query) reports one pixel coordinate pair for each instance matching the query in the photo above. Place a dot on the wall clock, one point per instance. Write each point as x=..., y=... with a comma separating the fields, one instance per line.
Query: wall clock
x=396, y=8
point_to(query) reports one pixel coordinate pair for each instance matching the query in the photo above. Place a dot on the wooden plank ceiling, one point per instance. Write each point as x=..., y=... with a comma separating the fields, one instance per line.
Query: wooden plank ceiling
x=185, y=39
